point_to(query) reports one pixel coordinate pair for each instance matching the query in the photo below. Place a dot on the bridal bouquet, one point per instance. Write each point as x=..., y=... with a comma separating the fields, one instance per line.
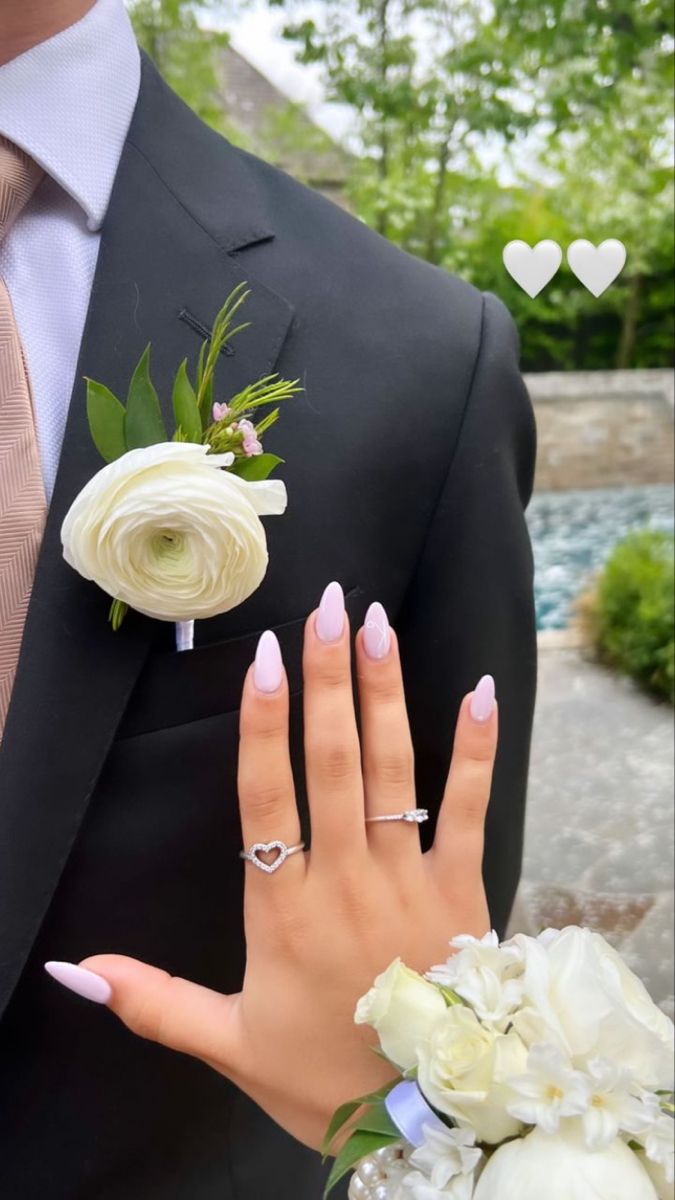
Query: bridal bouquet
x=535, y=1068
x=170, y=527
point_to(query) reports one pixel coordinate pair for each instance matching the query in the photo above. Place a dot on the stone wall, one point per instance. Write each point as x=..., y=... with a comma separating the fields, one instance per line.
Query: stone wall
x=603, y=428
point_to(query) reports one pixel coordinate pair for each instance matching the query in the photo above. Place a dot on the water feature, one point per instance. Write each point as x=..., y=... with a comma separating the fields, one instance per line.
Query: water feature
x=573, y=532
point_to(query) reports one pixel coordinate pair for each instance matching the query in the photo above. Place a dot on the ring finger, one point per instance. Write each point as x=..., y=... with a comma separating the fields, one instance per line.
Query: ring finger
x=388, y=759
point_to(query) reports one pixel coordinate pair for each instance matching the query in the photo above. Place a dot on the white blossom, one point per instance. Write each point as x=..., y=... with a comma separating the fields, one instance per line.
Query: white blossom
x=550, y=1090
x=447, y=1154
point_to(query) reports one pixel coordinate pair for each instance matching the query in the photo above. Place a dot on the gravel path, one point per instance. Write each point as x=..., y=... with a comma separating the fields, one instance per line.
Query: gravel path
x=599, y=834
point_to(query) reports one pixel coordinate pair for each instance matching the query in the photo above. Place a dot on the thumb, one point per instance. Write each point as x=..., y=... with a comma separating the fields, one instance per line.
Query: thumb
x=160, y=1007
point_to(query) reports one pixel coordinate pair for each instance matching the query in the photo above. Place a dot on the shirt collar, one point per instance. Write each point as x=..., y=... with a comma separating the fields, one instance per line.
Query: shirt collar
x=68, y=102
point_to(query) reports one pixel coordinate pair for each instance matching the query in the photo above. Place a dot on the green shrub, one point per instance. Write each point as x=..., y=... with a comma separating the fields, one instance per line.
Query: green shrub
x=632, y=610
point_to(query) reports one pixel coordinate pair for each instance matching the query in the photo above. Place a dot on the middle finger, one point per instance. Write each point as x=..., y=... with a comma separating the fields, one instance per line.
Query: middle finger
x=332, y=750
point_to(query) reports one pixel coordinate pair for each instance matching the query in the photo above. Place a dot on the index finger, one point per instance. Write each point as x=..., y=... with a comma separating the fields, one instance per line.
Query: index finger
x=269, y=812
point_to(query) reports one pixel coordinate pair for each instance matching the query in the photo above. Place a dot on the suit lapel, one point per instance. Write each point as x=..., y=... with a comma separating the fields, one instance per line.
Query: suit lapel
x=164, y=256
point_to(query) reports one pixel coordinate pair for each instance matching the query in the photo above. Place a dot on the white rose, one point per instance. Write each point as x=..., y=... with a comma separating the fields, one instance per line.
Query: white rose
x=403, y=1008
x=579, y=994
x=560, y=1167
x=463, y=1070
x=170, y=533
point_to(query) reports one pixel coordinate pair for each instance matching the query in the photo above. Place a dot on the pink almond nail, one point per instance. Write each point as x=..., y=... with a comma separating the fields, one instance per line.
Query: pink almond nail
x=483, y=700
x=330, y=618
x=376, y=635
x=81, y=981
x=268, y=667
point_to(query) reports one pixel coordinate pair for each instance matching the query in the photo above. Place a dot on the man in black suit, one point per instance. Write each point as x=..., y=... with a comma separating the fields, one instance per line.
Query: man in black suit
x=408, y=462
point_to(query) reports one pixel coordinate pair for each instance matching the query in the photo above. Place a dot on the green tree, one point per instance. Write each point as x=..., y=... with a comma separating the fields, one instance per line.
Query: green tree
x=442, y=91
x=172, y=34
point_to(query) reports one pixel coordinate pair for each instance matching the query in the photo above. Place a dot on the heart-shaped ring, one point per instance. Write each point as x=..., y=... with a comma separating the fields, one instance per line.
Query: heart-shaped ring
x=258, y=848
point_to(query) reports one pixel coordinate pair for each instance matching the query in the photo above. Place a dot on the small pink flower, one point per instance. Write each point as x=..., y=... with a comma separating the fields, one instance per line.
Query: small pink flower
x=247, y=428
x=251, y=445
x=220, y=411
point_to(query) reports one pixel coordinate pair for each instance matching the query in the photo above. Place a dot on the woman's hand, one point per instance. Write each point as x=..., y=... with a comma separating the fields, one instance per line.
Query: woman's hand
x=321, y=927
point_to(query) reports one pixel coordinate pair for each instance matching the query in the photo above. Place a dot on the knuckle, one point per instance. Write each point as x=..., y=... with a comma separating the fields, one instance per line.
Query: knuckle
x=332, y=674
x=394, y=768
x=471, y=810
x=264, y=726
x=386, y=689
x=265, y=800
x=352, y=900
x=335, y=762
x=145, y=1018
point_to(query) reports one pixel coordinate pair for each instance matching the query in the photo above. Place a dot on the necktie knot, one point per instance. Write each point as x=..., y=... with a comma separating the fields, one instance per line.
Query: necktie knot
x=19, y=177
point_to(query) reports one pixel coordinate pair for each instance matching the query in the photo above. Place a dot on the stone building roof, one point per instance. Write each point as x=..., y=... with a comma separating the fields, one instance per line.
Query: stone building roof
x=278, y=129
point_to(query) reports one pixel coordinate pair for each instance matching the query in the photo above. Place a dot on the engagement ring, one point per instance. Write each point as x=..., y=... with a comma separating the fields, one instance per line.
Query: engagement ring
x=414, y=816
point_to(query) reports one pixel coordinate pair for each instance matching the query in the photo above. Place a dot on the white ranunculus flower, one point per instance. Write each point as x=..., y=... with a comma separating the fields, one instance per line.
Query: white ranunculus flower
x=403, y=1008
x=170, y=533
x=561, y=1167
x=580, y=995
x=486, y=975
x=463, y=1070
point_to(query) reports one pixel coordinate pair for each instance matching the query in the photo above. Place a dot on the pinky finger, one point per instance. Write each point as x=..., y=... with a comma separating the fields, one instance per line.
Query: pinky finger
x=458, y=844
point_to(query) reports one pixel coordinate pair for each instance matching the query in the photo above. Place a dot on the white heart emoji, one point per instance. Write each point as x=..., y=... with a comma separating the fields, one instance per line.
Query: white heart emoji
x=596, y=266
x=532, y=267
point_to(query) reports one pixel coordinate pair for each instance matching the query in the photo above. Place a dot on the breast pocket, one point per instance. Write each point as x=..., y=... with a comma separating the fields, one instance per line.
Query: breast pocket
x=177, y=688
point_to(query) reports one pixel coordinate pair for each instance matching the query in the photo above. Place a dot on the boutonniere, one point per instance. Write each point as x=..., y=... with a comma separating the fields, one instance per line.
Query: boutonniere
x=171, y=527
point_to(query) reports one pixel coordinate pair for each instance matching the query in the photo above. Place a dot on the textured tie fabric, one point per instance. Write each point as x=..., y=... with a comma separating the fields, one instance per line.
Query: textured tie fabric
x=22, y=497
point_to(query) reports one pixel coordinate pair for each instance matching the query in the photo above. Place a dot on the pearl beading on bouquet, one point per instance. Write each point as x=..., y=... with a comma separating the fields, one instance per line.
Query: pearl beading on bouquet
x=378, y=1177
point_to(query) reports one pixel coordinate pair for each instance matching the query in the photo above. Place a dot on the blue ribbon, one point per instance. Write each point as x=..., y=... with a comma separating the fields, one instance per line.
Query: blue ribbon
x=410, y=1112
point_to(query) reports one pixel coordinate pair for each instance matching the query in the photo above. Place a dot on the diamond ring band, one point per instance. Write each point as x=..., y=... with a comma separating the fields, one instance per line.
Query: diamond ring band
x=412, y=816
x=258, y=848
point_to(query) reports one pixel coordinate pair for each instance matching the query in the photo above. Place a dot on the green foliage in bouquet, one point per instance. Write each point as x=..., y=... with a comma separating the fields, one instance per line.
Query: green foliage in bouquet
x=632, y=611
x=117, y=427
x=373, y=1129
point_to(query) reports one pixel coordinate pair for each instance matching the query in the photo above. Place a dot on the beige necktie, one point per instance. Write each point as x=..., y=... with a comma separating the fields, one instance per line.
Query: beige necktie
x=22, y=496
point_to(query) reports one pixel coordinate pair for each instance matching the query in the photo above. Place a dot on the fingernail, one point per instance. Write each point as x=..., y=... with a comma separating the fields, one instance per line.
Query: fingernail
x=268, y=667
x=483, y=699
x=376, y=635
x=79, y=980
x=330, y=618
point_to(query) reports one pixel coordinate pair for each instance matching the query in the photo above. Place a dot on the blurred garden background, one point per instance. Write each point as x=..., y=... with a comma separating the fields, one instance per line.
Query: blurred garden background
x=453, y=127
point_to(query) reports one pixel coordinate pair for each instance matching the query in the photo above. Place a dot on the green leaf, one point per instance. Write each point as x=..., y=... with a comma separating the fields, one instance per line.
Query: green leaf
x=106, y=415
x=118, y=611
x=339, y=1118
x=258, y=466
x=377, y=1120
x=345, y=1111
x=185, y=407
x=358, y=1147
x=144, y=423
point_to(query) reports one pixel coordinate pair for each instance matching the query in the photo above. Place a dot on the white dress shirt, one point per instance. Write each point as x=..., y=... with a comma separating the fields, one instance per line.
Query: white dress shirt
x=67, y=102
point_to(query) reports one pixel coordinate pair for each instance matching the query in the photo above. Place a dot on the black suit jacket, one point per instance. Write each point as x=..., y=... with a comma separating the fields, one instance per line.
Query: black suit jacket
x=409, y=459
